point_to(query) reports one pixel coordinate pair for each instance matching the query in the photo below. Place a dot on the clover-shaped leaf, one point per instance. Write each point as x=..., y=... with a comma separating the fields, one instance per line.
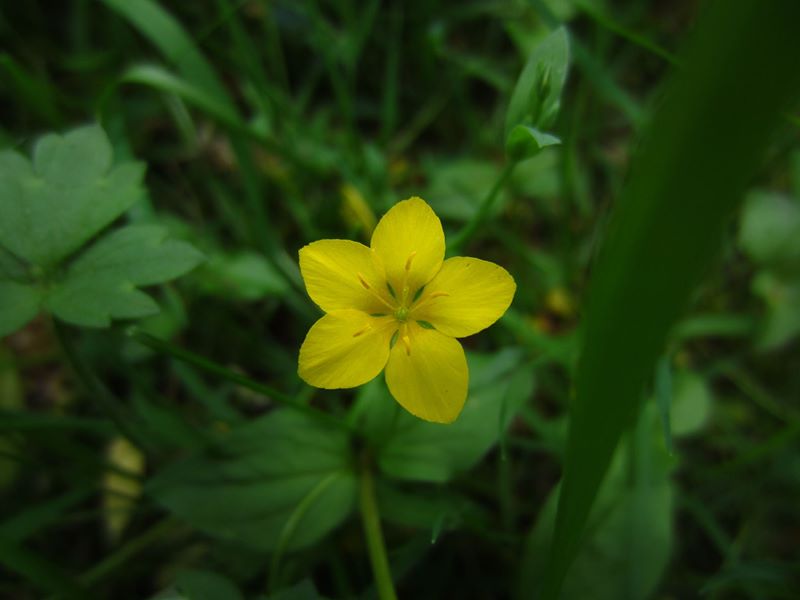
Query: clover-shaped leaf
x=50, y=208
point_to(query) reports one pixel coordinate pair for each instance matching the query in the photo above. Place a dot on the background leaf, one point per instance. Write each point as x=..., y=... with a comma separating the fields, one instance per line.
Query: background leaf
x=101, y=283
x=537, y=94
x=50, y=208
x=19, y=303
x=409, y=448
x=257, y=480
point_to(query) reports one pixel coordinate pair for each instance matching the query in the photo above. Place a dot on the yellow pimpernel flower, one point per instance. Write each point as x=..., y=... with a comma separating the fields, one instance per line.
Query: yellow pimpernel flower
x=398, y=304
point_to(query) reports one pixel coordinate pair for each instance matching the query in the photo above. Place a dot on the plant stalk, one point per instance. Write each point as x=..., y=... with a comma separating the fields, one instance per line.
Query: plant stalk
x=370, y=517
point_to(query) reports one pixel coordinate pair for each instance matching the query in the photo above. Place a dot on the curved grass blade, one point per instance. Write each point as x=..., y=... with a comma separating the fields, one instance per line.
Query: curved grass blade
x=703, y=145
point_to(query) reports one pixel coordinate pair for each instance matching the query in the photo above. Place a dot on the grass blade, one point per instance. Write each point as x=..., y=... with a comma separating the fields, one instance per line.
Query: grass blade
x=703, y=144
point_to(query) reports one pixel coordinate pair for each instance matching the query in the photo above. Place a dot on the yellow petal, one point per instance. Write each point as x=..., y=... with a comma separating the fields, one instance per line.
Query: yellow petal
x=466, y=296
x=427, y=374
x=341, y=274
x=345, y=348
x=410, y=242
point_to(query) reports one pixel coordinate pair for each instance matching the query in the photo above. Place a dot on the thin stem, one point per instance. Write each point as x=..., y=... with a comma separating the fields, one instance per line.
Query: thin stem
x=466, y=233
x=209, y=366
x=370, y=518
x=108, y=403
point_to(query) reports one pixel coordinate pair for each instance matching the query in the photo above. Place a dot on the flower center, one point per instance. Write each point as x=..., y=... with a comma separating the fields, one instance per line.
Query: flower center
x=401, y=314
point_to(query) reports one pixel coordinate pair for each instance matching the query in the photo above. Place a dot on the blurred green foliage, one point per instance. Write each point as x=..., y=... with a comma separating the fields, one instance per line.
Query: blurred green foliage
x=257, y=121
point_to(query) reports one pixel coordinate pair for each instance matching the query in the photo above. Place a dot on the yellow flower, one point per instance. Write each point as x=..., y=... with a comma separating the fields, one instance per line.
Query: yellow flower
x=398, y=304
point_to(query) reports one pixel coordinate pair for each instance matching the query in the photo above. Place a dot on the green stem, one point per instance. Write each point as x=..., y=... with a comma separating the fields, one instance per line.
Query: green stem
x=108, y=403
x=468, y=231
x=209, y=366
x=376, y=546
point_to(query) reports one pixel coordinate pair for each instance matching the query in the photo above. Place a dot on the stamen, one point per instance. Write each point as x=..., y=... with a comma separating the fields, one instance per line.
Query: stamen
x=363, y=281
x=409, y=259
x=428, y=297
x=407, y=344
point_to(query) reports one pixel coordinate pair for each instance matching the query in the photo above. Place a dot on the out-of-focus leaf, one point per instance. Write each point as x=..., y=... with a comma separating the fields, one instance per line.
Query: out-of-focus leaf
x=770, y=229
x=691, y=403
x=303, y=590
x=121, y=491
x=50, y=207
x=19, y=303
x=242, y=276
x=432, y=509
x=537, y=94
x=457, y=188
x=629, y=532
x=282, y=479
x=538, y=176
x=525, y=142
x=101, y=284
x=782, y=298
x=193, y=584
x=409, y=448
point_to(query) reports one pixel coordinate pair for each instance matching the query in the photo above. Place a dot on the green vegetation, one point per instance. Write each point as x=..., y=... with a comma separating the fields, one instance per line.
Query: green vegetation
x=635, y=166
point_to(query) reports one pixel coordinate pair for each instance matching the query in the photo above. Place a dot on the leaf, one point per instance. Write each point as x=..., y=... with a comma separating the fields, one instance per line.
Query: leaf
x=303, y=590
x=668, y=224
x=629, y=531
x=409, y=448
x=459, y=187
x=691, y=403
x=50, y=208
x=782, y=298
x=537, y=94
x=770, y=229
x=11, y=267
x=435, y=509
x=194, y=584
x=244, y=276
x=19, y=303
x=525, y=142
x=101, y=283
x=250, y=489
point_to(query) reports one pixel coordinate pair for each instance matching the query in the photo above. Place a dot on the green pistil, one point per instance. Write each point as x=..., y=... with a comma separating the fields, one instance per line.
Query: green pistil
x=401, y=314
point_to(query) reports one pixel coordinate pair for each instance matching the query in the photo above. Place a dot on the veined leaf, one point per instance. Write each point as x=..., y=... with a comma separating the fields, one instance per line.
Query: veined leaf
x=283, y=480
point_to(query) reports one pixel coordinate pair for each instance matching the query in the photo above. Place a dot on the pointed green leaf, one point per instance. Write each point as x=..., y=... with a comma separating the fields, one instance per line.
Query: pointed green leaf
x=50, y=208
x=537, y=95
x=524, y=142
x=101, y=284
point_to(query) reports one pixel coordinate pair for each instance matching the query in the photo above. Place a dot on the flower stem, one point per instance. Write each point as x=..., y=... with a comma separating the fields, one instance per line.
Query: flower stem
x=466, y=233
x=376, y=546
